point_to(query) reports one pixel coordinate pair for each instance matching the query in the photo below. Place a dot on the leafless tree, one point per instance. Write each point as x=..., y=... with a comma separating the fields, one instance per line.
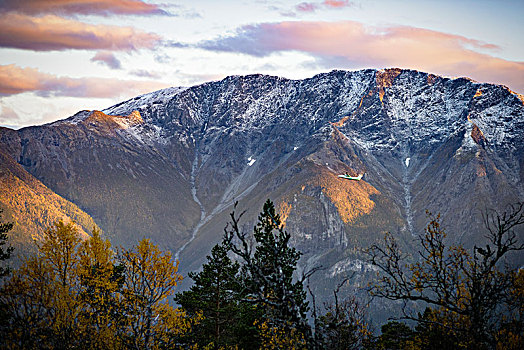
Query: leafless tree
x=474, y=288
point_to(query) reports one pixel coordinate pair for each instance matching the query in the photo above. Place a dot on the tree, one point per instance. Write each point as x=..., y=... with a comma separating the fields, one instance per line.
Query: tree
x=468, y=290
x=41, y=298
x=217, y=294
x=395, y=336
x=343, y=325
x=430, y=333
x=26, y=301
x=150, y=278
x=269, y=266
x=5, y=254
x=278, y=337
x=57, y=252
x=75, y=293
x=101, y=281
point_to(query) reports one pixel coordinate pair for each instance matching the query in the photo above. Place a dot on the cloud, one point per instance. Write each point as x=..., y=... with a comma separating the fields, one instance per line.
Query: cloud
x=351, y=44
x=8, y=115
x=307, y=7
x=16, y=80
x=146, y=74
x=55, y=33
x=337, y=3
x=330, y=4
x=107, y=58
x=83, y=7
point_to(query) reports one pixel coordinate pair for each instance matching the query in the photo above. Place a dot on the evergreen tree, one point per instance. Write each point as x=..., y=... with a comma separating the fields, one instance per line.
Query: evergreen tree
x=218, y=295
x=269, y=271
x=395, y=336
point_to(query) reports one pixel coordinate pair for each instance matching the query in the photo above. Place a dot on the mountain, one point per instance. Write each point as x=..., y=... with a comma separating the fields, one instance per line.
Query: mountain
x=30, y=205
x=170, y=164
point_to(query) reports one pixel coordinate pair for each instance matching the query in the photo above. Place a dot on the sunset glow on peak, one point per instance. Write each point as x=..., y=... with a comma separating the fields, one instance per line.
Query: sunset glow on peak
x=94, y=53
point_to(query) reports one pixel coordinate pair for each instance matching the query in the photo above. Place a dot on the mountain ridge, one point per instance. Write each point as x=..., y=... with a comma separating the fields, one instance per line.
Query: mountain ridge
x=173, y=170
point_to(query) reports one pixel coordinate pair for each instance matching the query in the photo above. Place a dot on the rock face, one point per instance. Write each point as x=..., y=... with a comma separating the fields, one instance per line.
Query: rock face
x=170, y=164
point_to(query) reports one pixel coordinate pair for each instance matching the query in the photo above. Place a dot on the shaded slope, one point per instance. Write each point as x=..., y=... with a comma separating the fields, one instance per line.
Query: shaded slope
x=130, y=188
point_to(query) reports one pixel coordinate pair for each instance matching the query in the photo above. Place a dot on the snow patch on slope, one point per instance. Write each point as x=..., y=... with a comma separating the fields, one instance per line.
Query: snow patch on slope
x=349, y=264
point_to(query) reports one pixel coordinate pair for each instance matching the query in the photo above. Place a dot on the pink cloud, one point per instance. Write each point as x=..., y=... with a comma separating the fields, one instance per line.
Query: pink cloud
x=312, y=6
x=16, y=80
x=84, y=7
x=337, y=3
x=107, y=58
x=55, y=33
x=351, y=44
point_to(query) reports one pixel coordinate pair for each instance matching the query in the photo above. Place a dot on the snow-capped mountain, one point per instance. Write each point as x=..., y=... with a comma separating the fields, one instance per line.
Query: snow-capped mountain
x=170, y=164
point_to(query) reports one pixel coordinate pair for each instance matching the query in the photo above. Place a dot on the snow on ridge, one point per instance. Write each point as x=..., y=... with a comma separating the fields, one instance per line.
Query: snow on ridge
x=144, y=101
x=75, y=119
x=414, y=109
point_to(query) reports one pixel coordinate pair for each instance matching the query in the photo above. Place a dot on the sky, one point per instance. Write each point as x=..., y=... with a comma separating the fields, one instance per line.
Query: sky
x=58, y=57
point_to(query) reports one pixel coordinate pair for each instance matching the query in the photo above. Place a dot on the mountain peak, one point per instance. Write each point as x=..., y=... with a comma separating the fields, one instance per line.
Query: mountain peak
x=100, y=119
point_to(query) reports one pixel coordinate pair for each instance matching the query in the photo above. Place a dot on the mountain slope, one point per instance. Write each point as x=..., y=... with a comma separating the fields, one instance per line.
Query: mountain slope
x=170, y=164
x=32, y=207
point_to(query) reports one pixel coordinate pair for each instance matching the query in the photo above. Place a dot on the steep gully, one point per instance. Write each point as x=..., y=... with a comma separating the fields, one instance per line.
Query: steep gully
x=227, y=199
x=202, y=221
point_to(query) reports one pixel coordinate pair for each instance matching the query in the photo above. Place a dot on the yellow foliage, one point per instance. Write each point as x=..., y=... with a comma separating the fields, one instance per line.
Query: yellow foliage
x=150, y=277
x=273, y=337
x=74, y=294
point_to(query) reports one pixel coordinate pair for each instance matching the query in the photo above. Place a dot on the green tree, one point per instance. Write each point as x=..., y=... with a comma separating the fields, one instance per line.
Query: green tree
x=395, y=336
x=5, y=227
x=269, y=267
x=218, y=294
x=468, y=291
x=432, y=334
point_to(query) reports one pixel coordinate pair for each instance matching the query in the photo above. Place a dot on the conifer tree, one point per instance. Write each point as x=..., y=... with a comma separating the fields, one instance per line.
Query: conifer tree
x=269, y=271
x=218, y=294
